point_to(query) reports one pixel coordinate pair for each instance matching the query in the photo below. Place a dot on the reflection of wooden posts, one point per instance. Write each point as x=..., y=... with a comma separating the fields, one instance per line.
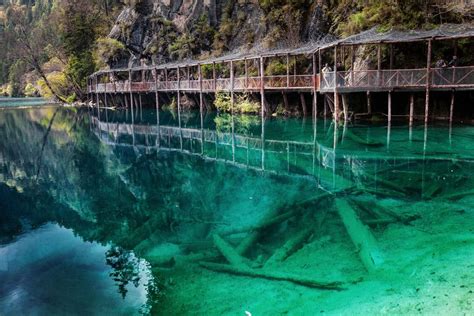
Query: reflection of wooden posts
x=428, y=70
x=412, y=108
x=287, y=70
x=157, y=105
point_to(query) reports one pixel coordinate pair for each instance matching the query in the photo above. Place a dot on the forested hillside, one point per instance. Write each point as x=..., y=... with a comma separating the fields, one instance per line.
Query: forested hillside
x=49, y=47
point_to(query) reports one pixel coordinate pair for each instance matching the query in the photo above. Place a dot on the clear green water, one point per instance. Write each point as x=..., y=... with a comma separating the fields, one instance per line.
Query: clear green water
x=102, y=216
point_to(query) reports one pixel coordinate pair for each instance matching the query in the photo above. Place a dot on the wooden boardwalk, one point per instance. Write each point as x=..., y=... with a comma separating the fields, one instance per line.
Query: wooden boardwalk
x=459, y=78
x=250, y=72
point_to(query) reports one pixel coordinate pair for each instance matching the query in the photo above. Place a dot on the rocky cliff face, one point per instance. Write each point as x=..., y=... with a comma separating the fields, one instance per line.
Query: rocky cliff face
x=164, y=30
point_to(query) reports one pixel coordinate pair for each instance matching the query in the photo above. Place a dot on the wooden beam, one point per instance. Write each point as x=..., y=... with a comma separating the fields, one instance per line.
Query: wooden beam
x=412, y=108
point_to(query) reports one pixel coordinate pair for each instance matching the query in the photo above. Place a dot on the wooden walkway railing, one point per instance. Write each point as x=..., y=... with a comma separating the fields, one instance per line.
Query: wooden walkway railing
x=440, y=78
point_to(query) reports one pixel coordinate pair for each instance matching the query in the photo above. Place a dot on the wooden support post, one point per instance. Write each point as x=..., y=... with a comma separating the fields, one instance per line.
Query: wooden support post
x=166, y=79
x=201, y=108
x=231, y=65
x=214, y=75
x=361, y=236
x=246, y=74
x=294, y=69
x=287, y=70
x=391, y=56
x=428, y=81
x=131, y=95
x=262, y=86
x=157, y=105
x=141, y=105
x=97, y=96
x=179, y=108
x=369, y=103
x=352, y=64
x=451, y=108
x=389, y=107
x=315, y=96
x=412, y=108
x=336, y=95
x=379, y=64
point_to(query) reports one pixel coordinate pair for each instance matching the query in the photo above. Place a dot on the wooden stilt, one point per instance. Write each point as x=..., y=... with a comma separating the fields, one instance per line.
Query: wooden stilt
x=315, y=96
x=451, y=108
x=412, y=108
x=428, y=81
x=287, y=70
x=303, y=104
x=157, y=104
x=262, y=87
x=231, y=65
x=336, y=95
x=179, y=109
x=389, y=107
x=369, y=103
x=131, y=95
x=246, y=74
x=262, y=104
x=214, y=76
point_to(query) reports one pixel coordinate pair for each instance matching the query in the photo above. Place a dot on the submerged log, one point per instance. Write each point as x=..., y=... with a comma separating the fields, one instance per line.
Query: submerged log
x=289, y=247
x=361, y=236
x=272, y=275
x=273, y=218
x=372, y=206
x=458, y=195
x=228, y=252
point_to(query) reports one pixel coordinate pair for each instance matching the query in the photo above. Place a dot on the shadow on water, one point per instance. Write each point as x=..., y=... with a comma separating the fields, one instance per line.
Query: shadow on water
x=289, y=216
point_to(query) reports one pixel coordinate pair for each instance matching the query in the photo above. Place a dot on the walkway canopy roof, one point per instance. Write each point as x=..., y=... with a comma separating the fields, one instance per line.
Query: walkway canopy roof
x=372, y=36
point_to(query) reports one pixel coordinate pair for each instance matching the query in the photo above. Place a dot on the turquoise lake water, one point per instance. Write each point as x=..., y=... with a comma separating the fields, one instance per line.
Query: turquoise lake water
x=105, y=214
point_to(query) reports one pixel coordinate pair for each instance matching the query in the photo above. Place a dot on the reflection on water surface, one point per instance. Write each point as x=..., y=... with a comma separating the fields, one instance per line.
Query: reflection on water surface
x=288, y=217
